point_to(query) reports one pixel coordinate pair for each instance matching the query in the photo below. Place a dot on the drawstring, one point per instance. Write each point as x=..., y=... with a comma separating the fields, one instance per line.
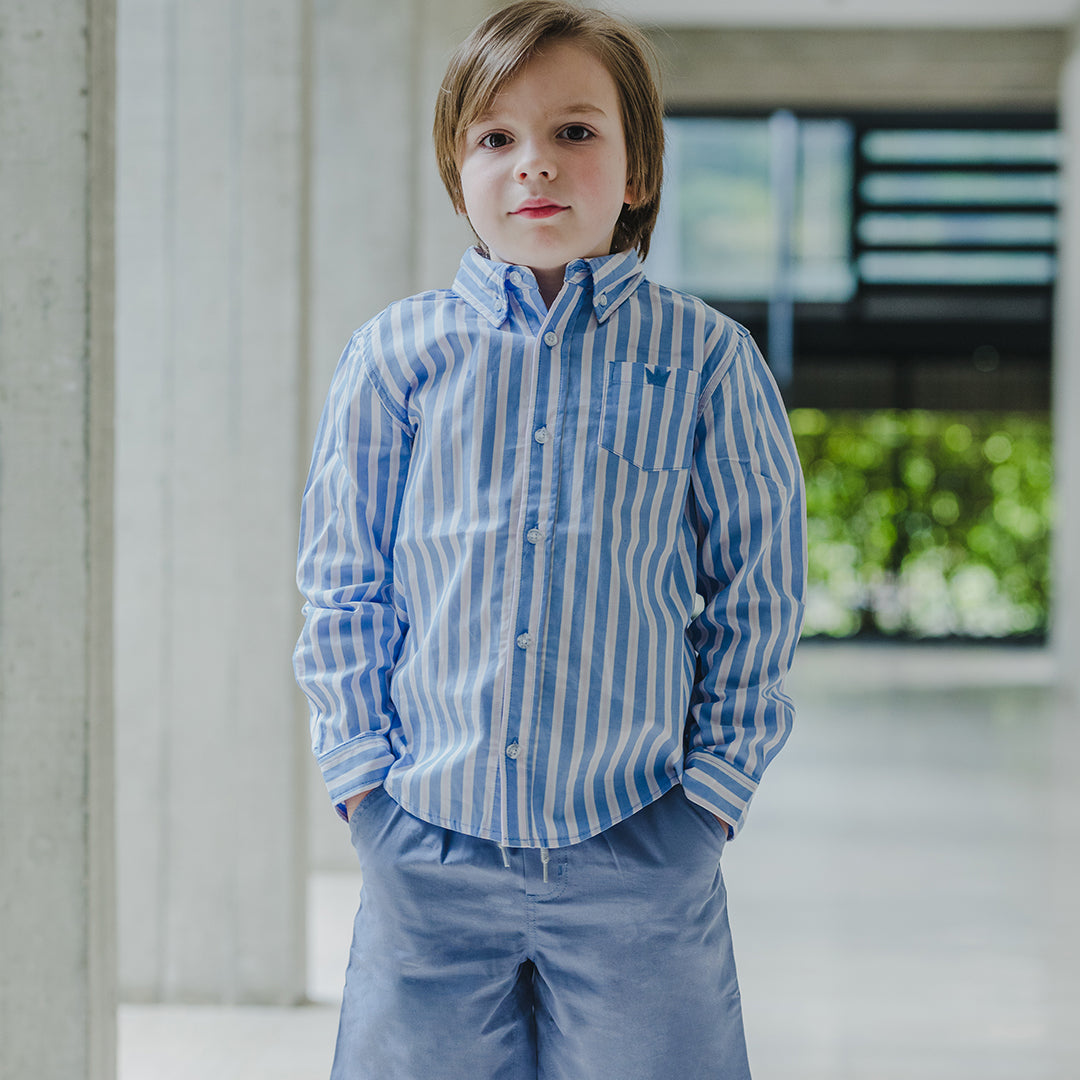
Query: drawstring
x=545, y=858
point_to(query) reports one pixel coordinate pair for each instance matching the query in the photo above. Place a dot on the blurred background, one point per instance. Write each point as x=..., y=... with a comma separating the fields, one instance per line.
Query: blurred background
x=882, y=193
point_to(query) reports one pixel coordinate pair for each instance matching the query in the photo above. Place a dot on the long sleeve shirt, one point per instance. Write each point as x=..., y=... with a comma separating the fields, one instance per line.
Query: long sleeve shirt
x=553, y=560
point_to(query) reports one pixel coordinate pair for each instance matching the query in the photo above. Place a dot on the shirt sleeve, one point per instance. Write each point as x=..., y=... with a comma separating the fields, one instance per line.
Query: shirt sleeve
x=748, y=510
x=353, y=628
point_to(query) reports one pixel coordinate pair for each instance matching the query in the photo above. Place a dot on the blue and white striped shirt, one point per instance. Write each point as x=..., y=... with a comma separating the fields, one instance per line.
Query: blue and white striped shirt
x=553, y=560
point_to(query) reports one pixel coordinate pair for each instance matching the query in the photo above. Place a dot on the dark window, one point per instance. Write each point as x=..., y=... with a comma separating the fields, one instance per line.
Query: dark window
x=893, y=260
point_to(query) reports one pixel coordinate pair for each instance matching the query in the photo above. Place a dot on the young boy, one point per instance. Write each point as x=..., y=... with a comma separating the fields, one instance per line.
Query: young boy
x=552, y=550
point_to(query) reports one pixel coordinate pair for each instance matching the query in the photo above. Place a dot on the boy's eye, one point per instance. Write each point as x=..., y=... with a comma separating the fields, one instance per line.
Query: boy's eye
x=576, y=133
x=495, y=140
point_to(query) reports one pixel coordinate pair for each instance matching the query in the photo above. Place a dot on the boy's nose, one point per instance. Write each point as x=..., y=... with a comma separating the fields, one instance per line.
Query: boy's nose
x=533, y=163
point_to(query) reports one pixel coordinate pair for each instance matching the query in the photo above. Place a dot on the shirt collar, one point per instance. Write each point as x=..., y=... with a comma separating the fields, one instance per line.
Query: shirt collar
x=484, y=284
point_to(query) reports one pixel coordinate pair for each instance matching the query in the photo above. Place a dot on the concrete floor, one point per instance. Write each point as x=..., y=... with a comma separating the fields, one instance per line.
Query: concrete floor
x=901, y=900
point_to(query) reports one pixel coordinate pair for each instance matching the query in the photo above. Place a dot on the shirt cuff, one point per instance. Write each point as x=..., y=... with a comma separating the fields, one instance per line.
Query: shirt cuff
x=359, y=765
x=718, y=787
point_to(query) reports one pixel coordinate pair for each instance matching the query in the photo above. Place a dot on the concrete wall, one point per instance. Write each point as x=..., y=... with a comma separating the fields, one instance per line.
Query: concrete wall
x=212, y=247
x=57, y=998
x=382, y=226
x=847, y=68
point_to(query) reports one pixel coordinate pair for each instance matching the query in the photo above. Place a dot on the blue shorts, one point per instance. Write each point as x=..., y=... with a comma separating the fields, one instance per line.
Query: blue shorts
x=619, y=965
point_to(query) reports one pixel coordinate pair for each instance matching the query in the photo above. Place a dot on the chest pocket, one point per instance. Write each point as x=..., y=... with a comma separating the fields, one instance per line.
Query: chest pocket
x=648, y=414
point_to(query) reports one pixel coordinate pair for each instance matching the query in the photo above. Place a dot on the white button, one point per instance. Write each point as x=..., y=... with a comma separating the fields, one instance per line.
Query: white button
x=602, y=299
x=541, y=435
x=534, y=536
x=513, y=750
x=524, y=641
x=551, y=339
x=515, y=278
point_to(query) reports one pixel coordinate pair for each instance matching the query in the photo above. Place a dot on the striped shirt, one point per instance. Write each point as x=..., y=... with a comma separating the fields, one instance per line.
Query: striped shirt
x=553, y=560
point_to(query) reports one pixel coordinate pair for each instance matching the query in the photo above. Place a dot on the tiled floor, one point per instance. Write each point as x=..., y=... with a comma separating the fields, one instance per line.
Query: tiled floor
x=902, y=899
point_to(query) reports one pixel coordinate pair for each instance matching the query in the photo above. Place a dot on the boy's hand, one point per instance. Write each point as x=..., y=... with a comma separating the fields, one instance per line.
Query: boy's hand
x=353, y=801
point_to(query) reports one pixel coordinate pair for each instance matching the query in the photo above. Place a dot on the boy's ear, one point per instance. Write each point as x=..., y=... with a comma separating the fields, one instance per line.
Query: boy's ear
x=630, y=196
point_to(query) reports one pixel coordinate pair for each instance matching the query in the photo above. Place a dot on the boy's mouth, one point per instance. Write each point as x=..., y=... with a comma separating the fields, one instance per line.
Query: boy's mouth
x=538, y=208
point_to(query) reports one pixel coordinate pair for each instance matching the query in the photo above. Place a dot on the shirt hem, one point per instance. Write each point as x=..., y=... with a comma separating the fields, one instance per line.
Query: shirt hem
x=551, y=843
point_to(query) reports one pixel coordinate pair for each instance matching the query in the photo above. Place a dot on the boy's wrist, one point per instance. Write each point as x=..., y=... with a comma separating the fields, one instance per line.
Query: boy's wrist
x=353, y=801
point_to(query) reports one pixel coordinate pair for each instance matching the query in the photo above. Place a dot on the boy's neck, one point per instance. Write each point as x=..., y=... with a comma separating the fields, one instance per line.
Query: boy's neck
x=550, y=282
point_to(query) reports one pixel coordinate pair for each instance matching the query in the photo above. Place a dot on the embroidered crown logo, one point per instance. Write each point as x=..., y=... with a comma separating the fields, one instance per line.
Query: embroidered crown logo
x=657, y=376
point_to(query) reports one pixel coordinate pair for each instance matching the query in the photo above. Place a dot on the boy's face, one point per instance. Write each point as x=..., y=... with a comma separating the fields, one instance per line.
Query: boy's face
x=543, y=173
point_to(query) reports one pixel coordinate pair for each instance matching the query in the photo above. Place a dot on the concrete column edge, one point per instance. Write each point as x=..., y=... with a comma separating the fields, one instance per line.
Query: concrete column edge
x=101, y=20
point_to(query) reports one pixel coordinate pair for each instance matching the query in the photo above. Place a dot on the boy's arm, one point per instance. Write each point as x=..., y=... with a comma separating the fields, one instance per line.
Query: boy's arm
x=353, y=629
x=748, y=509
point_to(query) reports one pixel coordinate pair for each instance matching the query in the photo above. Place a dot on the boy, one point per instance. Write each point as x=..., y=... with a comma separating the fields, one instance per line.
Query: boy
x=552, y=550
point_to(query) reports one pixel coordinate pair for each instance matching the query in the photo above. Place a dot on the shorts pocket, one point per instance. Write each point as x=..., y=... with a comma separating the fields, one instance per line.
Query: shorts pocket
x=366, y=811
x=648, y=414
x=717, y=827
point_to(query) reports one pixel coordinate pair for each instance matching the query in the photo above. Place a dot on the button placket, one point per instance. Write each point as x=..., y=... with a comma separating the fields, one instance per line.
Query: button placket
x=534, y=536
x=546, y=401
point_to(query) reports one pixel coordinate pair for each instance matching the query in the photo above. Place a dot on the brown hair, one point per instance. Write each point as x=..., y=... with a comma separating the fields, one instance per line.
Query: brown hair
x=504, y=42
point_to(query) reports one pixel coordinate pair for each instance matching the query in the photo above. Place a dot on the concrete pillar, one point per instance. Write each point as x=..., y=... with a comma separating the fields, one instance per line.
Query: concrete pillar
x=363, y=220
x=211, y=328
x=442, y=25
x=57, y=958
x=1064, y=827
x=382, y=225
x=1066, y=600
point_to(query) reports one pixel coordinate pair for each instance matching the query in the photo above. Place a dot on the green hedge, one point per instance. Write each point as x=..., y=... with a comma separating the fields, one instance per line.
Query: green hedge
x=926, y=524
